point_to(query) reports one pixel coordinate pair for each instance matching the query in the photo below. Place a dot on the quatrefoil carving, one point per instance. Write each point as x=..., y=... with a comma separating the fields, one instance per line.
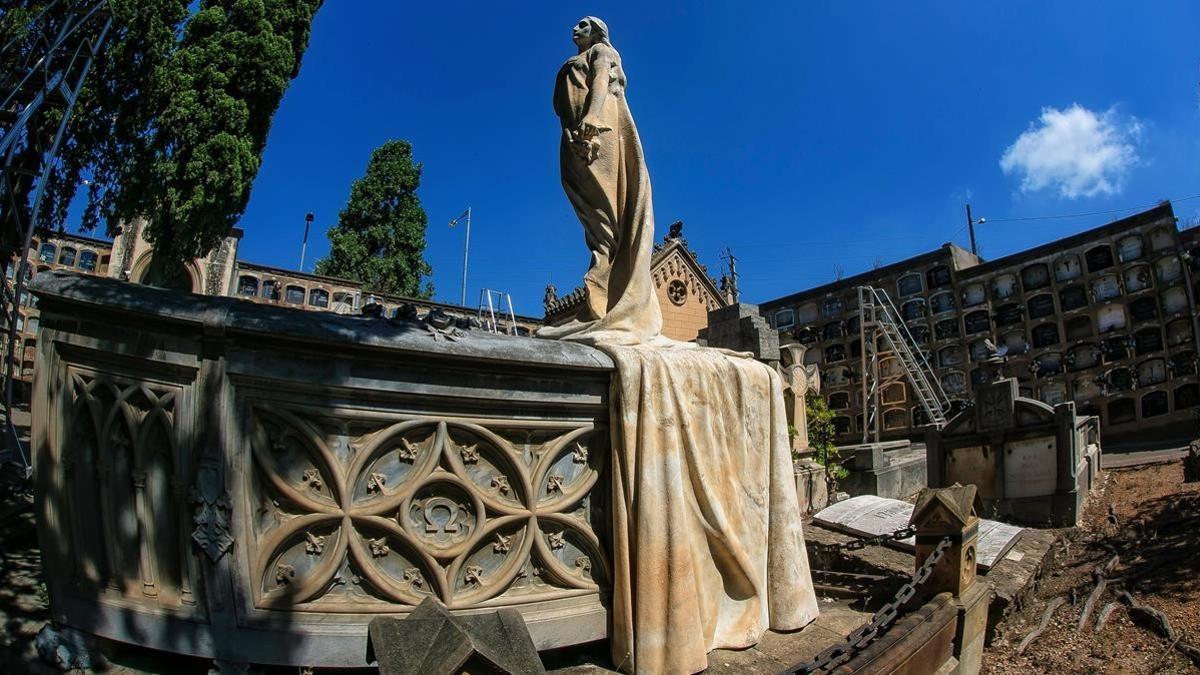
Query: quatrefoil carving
x=463, y=512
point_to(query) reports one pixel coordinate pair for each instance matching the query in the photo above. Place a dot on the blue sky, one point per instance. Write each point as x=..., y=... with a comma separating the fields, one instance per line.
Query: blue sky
x=805, y=136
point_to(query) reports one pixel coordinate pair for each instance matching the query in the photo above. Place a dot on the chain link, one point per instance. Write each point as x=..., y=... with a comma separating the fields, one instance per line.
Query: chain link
x=867, y=633
x=857, y=544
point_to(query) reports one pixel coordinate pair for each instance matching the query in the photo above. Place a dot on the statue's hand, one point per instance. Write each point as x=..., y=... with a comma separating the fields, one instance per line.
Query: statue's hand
x=591, y=127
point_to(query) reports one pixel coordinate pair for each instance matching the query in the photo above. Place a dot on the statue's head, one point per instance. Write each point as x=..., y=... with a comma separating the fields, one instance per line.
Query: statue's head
x=589, y=31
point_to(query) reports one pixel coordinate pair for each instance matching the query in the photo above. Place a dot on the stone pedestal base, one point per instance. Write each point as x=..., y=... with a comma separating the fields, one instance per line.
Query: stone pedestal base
x=972, y=627
x=812, y=490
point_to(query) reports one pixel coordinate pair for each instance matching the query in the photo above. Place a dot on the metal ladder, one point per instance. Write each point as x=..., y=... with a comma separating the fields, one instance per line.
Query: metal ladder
x=877, y=315
x=487, y=312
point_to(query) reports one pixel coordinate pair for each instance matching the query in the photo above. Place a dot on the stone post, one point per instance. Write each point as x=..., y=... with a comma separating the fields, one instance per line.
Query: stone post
x=950, y=512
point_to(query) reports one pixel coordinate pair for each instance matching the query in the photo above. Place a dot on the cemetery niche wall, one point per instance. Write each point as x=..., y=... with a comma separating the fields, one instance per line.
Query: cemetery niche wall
x=1031, y=463
x=254, y=484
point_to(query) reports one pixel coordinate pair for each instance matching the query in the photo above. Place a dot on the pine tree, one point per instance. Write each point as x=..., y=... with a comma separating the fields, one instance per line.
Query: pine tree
x=211, y=106
x=380, y=236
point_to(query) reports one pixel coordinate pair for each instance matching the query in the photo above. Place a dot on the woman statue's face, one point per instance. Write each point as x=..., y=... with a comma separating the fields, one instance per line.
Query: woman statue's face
x=582, y=34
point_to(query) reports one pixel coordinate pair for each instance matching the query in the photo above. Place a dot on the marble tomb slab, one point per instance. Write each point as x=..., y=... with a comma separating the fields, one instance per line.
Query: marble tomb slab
x=871, y=516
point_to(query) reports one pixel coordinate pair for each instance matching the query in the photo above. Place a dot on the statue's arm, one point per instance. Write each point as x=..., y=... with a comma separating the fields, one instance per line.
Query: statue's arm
x=600, y=68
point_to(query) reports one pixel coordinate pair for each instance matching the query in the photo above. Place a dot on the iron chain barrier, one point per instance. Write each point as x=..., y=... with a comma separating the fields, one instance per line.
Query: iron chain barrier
x=857, y=544
x=865, y=634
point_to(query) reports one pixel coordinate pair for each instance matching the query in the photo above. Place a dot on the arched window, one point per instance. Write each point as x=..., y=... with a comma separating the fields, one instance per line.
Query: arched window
x=47, y=252
x=1004, y=286
x=294, y=295
x=909, y=283
x=1161, y=238
x=1129, y=248
x=1085, y=388
x=1040, y=305
x=67, y=257
x=831, y=307
x=1179, y=332
x=976, y=322
x=946, y=329
x=841, y=424
x=1053, y=393
x=977, y=350
x=835, y=353
x=1079, y=328
x=895, y=419
x=973, y=294
x=1122, y=411
x=1007, y=315
x=807, y=313
x=938, y=276
x=1099, y=258
x=1137, y=278
x=1072, y=297
x=950, y=356
x=954, y=382
x=318, y=297
x=87, y=261
x=839, y=400
x=942, y=302
x=1111, y=318
x=836, y=377
x=1035, y=276
x=1084, y=356
x=921, y=334
x=1045, y=335
x=1182, y=364
x=913, y=309
x=270, y=289
x=247, y=285
x=1049, y=363
x=1174, y=300
x=1015, y=342
x=1168, y=270
x=1067, y=268
x=894, y=393
x=1105, y=288
x=832, y=330
x=785, y=319
x=1147, y=340
x=1151, y=372
x=1143, y=309
x=1187, y=396
x=1154, y=404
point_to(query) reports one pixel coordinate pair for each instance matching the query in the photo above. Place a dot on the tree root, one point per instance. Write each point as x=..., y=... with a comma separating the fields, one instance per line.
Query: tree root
x=1102, y=617
x=1159, y=622
x=1049, y=612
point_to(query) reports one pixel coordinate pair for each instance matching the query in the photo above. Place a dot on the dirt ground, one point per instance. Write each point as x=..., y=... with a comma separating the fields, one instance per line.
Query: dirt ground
x=1149, y=518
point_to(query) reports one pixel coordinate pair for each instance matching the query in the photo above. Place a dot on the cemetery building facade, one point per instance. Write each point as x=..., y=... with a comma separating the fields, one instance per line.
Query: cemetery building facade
x=1105, y=318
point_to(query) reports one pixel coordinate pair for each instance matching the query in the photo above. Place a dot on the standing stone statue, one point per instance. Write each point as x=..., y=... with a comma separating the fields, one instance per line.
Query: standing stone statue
x=707, y=543
x=605, y=177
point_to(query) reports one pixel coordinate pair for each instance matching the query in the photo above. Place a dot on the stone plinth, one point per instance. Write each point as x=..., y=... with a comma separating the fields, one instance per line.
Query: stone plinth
x=892, y=469
x=255, y=484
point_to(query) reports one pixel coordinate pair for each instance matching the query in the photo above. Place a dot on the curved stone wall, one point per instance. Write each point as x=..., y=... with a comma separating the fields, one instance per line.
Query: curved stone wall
x=254, y=483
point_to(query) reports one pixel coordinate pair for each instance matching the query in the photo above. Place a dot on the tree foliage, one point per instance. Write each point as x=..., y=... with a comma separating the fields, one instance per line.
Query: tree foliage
x=173, y=119
x=380, y=236
x=821, y=433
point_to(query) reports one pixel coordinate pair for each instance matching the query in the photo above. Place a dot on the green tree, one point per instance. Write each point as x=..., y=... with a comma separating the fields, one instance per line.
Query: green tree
x=821, y=433
x=211, y=106
x=380, y=236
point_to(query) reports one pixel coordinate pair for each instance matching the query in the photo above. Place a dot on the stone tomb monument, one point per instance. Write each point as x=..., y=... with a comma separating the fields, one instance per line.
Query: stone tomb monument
x=1031, y=463
x=257, y=484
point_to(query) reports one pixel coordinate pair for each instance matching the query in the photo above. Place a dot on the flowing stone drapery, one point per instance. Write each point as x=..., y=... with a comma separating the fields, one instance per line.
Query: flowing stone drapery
x=707, y=544
x=708, y=550
x=604, y=175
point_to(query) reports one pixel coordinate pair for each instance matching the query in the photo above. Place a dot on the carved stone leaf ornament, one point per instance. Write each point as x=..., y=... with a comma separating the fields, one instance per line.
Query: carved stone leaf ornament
x=463, y=512
x=212, y=514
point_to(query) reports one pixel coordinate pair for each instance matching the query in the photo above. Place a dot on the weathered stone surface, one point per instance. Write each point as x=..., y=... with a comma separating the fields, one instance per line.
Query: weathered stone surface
x=431, y=641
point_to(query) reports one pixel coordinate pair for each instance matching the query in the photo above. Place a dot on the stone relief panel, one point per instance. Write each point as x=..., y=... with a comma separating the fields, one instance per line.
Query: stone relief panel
x=127, y=478
x=350, y=515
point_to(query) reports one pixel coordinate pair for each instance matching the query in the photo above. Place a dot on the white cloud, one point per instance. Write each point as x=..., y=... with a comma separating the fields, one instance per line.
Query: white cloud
x=1076, y=151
